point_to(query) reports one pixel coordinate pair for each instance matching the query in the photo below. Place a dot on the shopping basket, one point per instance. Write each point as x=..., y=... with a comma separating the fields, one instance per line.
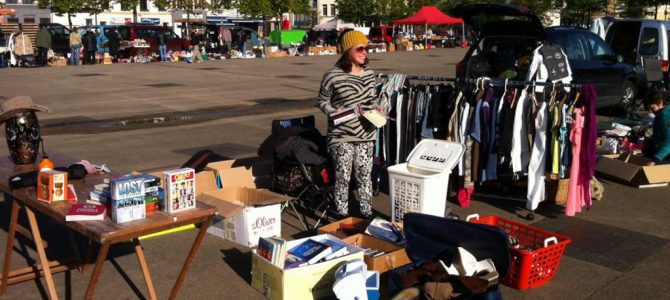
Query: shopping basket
x=535, y=259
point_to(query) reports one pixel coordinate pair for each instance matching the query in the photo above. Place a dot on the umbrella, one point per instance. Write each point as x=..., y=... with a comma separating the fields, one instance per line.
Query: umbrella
x=429, y=15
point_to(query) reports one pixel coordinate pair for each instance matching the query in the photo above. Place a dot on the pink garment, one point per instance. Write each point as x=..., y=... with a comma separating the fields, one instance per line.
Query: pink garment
x=576, y=190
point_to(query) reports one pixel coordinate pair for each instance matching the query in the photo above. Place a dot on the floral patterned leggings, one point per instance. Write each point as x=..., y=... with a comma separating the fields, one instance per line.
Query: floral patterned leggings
x=356, y=156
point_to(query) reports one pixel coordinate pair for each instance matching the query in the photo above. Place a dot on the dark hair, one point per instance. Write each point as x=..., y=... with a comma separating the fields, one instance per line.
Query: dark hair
x=653, y=98
x=345, y=63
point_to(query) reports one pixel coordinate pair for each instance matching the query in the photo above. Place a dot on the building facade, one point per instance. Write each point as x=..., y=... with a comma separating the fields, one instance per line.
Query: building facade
x=27, y=12
x=326, y=10
x=118, y=14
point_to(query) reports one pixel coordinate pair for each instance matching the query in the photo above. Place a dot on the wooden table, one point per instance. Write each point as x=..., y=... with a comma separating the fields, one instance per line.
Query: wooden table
x=104, y=232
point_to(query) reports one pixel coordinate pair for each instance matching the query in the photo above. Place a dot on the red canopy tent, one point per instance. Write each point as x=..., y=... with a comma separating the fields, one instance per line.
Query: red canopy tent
x=429, y=15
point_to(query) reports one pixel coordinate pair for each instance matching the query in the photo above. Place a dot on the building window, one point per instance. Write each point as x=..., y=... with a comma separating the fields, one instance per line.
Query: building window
x=28, y=20
x=13, y=20
x=143, y=5
x=333, y=10
x=324, y=8
x=103, y=23
x=45, y=20
x=89, y=22
x=12, y=2
x=28, y=1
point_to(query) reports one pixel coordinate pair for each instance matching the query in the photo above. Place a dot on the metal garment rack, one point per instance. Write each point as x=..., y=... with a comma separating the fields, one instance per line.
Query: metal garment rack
x=489, y=81
x=494, y=82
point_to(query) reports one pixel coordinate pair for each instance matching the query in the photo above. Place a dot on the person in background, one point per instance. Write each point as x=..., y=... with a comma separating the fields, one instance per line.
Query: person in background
x=195, y=42
x=658, y=147
x=75, y=46
x=427, y=37
x=114, y=44
x=227, y=38
x=43, y=43
x=90, y=46
x=348, y=84
x=162, y=47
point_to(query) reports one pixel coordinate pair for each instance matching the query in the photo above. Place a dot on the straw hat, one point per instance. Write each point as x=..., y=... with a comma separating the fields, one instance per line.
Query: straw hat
x=19, y=104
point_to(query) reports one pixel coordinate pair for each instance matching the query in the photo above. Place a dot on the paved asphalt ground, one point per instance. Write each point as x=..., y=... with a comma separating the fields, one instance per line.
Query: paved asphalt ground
x=147, y=117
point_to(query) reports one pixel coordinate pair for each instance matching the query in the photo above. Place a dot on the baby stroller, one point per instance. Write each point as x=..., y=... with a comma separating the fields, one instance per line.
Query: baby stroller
x=301, y=166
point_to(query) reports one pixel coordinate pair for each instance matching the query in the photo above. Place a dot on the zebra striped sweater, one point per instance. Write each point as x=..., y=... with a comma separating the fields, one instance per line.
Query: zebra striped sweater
x=343, y=90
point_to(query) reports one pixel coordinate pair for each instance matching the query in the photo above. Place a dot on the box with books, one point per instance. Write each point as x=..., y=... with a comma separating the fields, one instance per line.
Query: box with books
x=345, y=227
x=127, y=199
x=179, y=189
x=380, y=255
x=307, y=281
x=152, y=193
x=273, y=249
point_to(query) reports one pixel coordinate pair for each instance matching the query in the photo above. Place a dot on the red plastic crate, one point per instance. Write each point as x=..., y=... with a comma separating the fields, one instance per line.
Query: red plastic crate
x=530, y=268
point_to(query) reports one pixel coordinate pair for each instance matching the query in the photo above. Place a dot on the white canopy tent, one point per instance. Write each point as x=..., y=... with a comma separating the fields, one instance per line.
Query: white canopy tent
x=334, y=24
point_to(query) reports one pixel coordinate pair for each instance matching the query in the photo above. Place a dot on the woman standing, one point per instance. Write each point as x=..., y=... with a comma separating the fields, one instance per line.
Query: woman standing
x=348, y=84
x=75, y=46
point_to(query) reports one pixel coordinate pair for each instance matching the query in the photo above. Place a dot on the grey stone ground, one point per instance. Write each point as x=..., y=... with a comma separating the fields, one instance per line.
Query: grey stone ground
x=145, y=117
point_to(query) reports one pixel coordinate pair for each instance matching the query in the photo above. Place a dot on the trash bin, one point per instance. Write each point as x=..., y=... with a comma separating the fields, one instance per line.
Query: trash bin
x=420, y=185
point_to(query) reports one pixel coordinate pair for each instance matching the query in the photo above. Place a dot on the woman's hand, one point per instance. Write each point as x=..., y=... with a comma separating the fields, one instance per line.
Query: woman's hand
x=377, y=107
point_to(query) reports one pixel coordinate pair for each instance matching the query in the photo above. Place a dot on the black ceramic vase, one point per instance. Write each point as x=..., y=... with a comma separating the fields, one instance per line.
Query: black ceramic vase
x=23, y=137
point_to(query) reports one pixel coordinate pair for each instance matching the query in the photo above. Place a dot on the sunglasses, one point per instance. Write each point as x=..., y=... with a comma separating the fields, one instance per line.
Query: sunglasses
x=362, y=49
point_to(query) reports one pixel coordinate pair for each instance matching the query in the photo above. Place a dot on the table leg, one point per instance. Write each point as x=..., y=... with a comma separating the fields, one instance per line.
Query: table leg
x=89, y=253
x=42, y=254
x=191, y=256
x=10, y=246
x=145, y=269
x=99, y=262
x=75, y=248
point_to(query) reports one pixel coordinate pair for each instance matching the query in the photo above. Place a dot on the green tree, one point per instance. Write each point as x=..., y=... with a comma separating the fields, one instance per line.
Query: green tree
x=63, y=7
x=357, y=11
x=267, y=9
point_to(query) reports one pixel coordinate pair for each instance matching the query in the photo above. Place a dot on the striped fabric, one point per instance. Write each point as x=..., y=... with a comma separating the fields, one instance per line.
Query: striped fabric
x=343, y=90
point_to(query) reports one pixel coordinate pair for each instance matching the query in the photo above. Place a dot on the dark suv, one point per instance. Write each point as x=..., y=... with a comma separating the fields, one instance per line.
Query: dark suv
x=60, y=38
x=506, y=35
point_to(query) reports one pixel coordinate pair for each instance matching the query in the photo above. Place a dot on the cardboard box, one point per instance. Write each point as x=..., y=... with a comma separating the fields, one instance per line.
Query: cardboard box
x=357, y=226
x=394, y=257
x=308, y=282
x=633, y=170
x=52, y=186
x=245, y=214
x=247, y=210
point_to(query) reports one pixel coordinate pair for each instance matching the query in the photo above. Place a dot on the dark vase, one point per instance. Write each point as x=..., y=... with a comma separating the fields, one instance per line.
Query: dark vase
x=23, y=137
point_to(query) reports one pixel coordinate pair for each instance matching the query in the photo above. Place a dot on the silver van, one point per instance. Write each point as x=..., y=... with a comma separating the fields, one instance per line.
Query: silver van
x=639, y=41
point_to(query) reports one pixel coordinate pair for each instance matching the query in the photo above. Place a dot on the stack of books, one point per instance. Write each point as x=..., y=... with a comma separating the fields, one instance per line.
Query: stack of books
x=100, y=192
x=273, y=249
x=311, y=252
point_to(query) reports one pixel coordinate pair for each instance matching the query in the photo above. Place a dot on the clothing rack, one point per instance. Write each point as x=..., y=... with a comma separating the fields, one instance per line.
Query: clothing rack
x=490, y=81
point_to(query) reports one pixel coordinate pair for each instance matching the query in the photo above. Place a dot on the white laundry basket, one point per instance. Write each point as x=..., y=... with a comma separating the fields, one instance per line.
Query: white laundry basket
x=420, y=185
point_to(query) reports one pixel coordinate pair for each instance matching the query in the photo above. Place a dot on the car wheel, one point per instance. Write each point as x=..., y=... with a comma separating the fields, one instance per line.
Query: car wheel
x=627, y=97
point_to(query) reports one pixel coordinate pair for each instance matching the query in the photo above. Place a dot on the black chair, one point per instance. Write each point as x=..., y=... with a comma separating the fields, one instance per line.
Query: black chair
x=305, y=183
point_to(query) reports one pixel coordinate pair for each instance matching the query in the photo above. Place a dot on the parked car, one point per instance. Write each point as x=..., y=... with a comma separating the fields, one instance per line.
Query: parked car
x=382, y=34
x=640, y=40
x=150, y=34
x=60, y=38
x=506, y=36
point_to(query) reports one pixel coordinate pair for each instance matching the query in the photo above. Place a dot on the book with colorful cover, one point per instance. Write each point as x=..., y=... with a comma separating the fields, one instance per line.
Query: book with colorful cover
x=311, y=251
x=85, y=212
x=179, y=189
x=127, y=202
x=293, y=261
x=266, y=249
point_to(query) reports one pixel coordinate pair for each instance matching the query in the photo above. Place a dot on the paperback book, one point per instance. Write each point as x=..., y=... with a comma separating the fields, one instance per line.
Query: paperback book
x=179, y=189
x=273, y=249
x=311, y=251
x=127, y=199
x=85, y=212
